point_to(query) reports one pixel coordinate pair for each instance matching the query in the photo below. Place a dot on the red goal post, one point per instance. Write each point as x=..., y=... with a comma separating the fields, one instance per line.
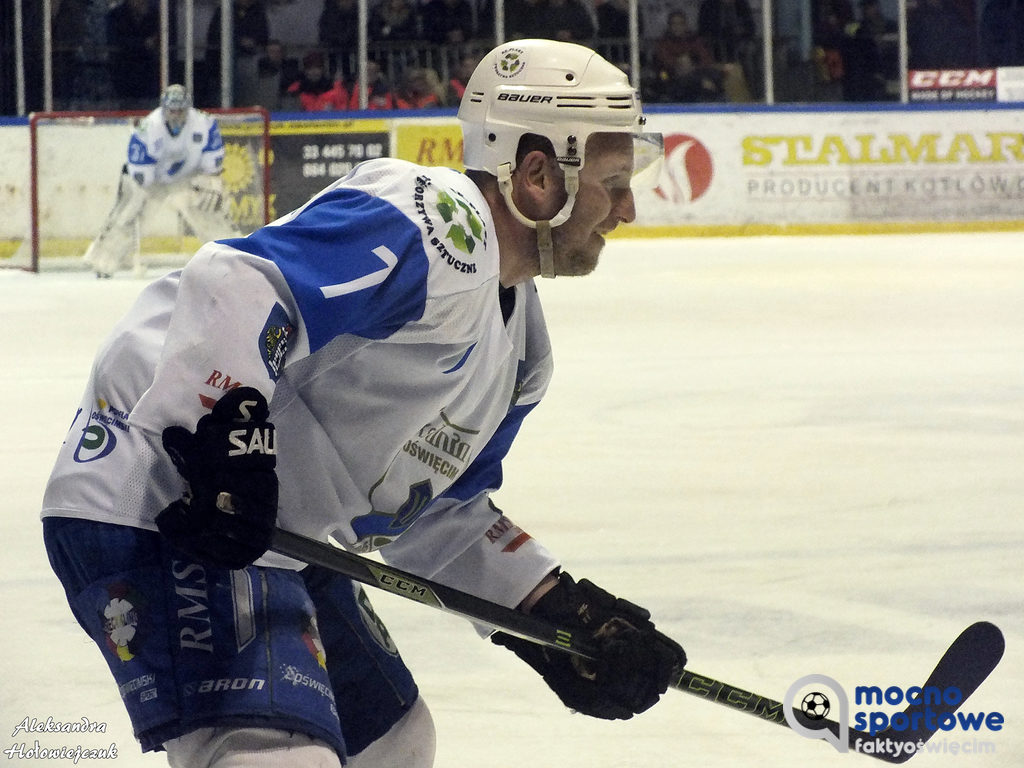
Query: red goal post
x=74, y=167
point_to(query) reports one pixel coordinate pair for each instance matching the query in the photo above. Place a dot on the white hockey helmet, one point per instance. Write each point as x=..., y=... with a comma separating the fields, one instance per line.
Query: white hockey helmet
x=175, y=103
x=562, y=91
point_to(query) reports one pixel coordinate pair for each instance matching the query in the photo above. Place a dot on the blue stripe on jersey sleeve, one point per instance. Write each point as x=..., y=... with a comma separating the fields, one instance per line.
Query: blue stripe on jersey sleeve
x=485, y=472
x=137, y=152
x=213, y=139
x=334, y=245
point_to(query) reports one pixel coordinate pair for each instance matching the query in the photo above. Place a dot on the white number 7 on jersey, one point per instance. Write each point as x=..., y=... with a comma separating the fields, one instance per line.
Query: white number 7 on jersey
x=382, y=252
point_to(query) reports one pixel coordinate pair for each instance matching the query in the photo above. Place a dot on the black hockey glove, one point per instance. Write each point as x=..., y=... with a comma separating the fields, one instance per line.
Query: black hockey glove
x=636, y=661
x=228, y=512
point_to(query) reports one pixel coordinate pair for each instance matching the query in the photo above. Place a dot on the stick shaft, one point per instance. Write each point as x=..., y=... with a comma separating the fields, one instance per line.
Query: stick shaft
x=969, y=660
x=430, y=593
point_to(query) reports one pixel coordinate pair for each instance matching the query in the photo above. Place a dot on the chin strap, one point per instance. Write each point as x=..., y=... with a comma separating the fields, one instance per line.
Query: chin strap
x=545, y=246
x=545, y=249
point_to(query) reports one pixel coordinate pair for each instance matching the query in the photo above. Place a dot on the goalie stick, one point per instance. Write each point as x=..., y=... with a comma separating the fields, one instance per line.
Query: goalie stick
x=965, y=665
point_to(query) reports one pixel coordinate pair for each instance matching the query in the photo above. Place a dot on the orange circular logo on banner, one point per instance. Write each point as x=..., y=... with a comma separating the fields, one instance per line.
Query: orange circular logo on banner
x=688, y=169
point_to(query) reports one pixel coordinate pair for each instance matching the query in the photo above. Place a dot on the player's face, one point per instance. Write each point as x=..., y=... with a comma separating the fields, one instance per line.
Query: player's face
x=604, y=200
x=175, y=119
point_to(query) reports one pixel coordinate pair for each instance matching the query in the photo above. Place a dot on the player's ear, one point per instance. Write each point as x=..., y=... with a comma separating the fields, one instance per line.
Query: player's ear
x=538, y=185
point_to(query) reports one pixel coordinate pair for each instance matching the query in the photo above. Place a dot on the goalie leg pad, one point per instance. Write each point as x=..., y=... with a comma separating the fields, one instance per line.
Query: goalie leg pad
x=194, y=646
x=118, y=242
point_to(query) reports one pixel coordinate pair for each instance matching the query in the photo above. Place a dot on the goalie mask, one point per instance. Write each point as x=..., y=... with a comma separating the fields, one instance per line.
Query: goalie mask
x=175, y=104
x=563, y=92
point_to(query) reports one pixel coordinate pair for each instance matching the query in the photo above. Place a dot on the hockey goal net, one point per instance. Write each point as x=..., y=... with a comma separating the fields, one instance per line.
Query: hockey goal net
x=75, y=167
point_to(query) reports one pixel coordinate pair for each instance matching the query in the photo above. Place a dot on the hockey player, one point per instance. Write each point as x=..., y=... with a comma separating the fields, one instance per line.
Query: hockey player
x=175, y=157
x=357, y=369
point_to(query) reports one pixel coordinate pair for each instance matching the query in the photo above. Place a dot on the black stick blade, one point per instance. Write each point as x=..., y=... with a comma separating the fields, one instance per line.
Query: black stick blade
x=962, y=668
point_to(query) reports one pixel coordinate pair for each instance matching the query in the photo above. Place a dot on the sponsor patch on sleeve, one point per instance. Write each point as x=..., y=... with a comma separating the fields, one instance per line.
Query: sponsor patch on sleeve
x=273, y=341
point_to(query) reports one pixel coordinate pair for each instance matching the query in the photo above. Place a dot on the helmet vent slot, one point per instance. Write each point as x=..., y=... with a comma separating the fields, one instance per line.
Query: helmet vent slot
x=591, y=102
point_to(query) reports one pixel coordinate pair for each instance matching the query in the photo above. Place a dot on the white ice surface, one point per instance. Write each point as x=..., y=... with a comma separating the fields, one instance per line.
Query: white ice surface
x=804, y=455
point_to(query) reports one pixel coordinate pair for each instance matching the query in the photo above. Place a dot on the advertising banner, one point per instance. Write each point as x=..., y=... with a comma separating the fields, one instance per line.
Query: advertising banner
x=310, y=154
x=770, y=171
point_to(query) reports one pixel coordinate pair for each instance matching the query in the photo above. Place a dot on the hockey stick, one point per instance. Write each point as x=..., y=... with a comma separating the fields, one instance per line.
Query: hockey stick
x=964, y=666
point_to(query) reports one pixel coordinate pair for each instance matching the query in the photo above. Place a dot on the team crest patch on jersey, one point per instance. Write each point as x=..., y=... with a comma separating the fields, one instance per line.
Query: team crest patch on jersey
x=274, y=340
x=121, y=621
x=453, y=226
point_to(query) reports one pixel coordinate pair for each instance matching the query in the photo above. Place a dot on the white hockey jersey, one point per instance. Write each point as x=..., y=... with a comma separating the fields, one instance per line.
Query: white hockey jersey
x=371, y=320
x=155, y=157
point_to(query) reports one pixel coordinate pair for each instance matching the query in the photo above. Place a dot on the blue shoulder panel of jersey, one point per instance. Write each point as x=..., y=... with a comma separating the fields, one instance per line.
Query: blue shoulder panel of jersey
x=354, y=263
x=137, y=152
x=485, y=471
x=213, y=138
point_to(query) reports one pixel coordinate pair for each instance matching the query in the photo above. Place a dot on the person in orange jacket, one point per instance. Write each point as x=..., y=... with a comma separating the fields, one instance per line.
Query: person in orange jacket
x=317, y=91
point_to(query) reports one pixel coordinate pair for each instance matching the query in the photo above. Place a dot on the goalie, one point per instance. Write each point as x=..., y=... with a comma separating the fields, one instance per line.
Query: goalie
x=175, y=157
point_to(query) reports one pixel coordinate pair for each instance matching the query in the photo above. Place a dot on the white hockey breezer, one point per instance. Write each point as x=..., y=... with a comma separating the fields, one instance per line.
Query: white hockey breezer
x=561, y=92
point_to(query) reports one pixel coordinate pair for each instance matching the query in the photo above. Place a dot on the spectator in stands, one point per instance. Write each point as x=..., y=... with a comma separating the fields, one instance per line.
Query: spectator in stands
x=613, y=25
x=133, y=34
x=378, y=90
x=687, y=69
x=421, y=88
x=568, y=21
x=830, y=18
x=941, y=35
x=316, y=90
x=250, y=34
x=863, y=77
x=448, y=21
x=69, y=31
x=525, y=19
x=339, y=34
x=460, y=76
x=613, y=19
x=728, y=28
x=680, y=39
x=276, y=72
x=393, y=21
x=1002, y=33
x=686, y=82
x=885, y=32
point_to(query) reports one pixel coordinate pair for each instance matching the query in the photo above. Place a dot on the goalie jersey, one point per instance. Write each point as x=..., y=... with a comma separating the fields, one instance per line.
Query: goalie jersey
x=398, y=373
x=155, y=157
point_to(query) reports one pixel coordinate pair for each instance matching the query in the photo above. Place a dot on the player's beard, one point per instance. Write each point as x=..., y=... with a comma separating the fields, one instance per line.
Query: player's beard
x=573, y=258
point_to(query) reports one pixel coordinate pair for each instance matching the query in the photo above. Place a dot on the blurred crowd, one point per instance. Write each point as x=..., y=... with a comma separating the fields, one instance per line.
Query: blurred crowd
x=106, y=52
